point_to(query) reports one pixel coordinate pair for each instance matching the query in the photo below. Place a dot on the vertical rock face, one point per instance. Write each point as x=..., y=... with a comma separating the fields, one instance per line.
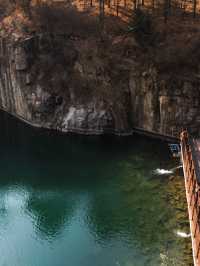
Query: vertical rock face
x=55, y=86
x=165, y=106
x=68, y=85
x=12, y=97
x=144, y=98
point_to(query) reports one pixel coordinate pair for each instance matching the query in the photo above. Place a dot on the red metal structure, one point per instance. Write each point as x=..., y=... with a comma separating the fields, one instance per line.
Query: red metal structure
x=190, y=152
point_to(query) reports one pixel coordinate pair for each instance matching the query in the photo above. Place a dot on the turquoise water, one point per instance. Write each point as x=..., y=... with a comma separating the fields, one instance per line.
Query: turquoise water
x=88, y=201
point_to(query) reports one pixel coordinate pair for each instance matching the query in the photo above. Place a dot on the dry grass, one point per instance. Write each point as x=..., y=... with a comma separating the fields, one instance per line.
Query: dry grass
x=176, y=44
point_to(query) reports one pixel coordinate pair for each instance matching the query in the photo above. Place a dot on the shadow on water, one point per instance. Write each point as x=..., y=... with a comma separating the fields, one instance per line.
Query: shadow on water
x=85, y=199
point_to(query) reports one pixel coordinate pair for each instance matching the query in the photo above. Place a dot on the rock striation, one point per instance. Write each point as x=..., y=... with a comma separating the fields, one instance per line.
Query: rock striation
x=75, y=85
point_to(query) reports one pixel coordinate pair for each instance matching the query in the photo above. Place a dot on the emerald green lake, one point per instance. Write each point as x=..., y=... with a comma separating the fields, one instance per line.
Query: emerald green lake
x=88, y=201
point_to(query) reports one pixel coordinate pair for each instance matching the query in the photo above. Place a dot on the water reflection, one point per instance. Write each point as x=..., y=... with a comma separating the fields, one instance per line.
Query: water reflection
x=50, y=212
x=66, y=199
x=132, y=211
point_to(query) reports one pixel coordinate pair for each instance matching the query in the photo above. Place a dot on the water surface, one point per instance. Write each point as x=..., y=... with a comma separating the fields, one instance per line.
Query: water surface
x=88, y=201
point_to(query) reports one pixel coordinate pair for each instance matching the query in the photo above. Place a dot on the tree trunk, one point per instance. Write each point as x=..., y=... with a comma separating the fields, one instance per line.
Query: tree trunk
x=101, y=11
x=135, y=4
x=153, y=4
x=117, y=8
x=194, y=8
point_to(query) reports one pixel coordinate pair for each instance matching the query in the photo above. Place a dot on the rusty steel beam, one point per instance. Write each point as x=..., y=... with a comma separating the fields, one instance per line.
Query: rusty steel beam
x=191, y=164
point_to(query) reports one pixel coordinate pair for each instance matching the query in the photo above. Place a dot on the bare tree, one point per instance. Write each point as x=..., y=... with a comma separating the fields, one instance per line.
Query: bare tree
x=153, y=4
x=134, y=4
x=101, y=11
x=194, y=8
x=117, y=8
x=167, y=9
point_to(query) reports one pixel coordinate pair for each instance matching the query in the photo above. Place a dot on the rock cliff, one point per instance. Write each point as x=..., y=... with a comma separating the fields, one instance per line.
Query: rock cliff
x=79, y=85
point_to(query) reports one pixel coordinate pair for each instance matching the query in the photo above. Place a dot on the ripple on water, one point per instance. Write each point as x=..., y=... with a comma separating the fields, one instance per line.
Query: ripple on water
x=78, y=200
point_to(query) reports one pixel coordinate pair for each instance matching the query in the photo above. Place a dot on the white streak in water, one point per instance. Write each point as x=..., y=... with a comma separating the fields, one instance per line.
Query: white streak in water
x=182, y=234
x=159, y=171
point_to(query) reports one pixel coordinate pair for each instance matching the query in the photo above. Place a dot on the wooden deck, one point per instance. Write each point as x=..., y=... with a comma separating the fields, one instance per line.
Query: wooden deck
x=190, y=152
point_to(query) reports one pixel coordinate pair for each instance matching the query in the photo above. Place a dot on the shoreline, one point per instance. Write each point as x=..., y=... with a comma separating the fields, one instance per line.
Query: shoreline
x=80, y=131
